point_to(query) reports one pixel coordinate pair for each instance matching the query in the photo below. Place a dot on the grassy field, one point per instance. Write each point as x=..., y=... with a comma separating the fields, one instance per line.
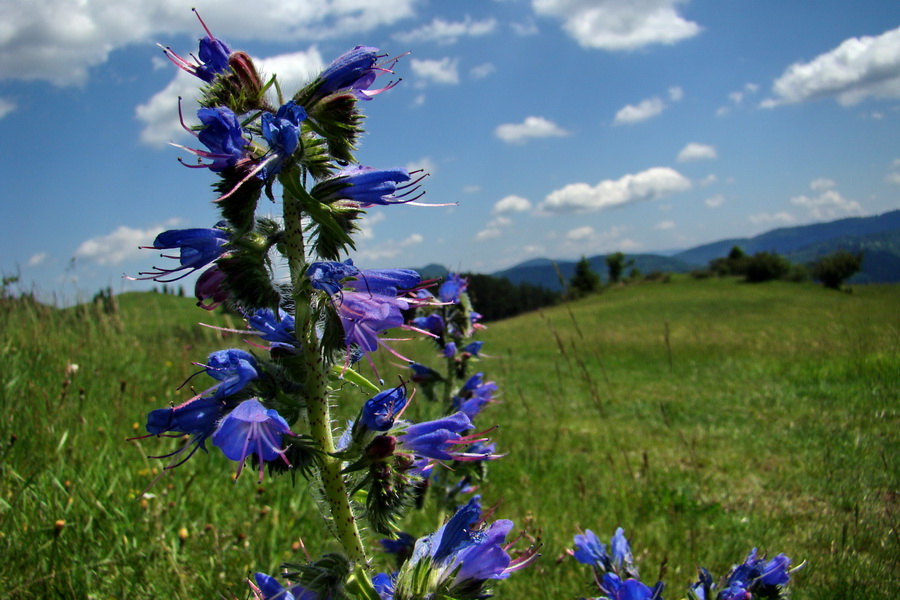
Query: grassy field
x=704, y=417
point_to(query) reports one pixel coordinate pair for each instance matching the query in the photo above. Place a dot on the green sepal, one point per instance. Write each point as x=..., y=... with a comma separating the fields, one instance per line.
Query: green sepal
x=325, y=576
x=332, y=236
x=241, y=195
x=355, y=378
x=361, y=586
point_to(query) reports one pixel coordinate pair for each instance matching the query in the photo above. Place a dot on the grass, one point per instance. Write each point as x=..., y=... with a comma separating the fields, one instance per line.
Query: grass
x=704, y=417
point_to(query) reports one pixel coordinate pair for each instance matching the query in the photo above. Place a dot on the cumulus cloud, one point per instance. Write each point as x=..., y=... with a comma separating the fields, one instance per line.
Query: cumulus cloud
x=119, y=245
x=736, y=98
x=580, y=233
x=694, y=151
x=857, y=69
x=6, y=107
x=483, y=70
x=160, y=112
x=651, y=184
x=715, y=201
x=37, y=259
x=635, y=113
x=447, y=32
x=512, y=204
x=619, y=24
x=767, y=219
x=530, y=128
x=828, y=203
x=444, y=70
x=893, y=175
x=390, y=248
x=664, y=225
x=60, y=40
x=424, y=164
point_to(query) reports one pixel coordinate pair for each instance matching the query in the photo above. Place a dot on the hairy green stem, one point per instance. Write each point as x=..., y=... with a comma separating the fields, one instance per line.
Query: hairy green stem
x=314, y=370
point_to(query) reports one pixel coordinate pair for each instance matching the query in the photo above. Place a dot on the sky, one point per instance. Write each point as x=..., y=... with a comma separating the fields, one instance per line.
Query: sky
x=556, y=128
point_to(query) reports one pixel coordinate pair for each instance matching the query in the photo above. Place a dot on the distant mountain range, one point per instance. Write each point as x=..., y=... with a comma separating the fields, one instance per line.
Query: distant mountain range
x=877, y=237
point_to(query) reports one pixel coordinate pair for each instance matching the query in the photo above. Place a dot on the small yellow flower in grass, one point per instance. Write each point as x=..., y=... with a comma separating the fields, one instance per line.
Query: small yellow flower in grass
x=58, y=526
x=183, y=534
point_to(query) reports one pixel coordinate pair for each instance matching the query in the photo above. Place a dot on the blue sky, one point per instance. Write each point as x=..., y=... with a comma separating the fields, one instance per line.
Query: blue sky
x=561, y=127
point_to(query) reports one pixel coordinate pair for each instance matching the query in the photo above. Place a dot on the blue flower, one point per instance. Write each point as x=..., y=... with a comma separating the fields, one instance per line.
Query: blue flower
x=379, y=412
x=589, y=550
x=197, y=417
x=432, y=323
x=282, y=132
x=213, y=56
x=197, y=248
x=452, y=287
x=474, y=395
x=251, y=428
x=473, y=348
x=367, y=301
x=209, y=286
x=329, y=276
x=277, y=329
x=354, y=70
x=384, y=586
x=402, y=546
x=441, y=439
x=629, y=589
x=223, y=135
x=460, y=557
x=233, y=368
x=424, y=375
x=367, y=186
x=449, y=350
x=268, y=588
x=757, y=577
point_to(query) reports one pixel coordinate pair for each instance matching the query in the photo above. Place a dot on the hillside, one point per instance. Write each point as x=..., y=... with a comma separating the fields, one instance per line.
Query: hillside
x=877, y=237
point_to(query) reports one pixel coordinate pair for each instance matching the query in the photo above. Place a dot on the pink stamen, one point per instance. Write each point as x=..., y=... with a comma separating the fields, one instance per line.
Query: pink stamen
x=205, y=28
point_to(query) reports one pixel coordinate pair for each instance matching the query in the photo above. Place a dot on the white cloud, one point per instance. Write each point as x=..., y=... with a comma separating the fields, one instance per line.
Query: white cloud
x=772, y=218
x=527, y=27
x=444, y=70
x=619, y=24
x=580, y=233
x=894, y=175
x=635, y=113
x=391, y=248
x=512, y=204
x=531, y=127
x=715, y=201
x=822, y=184
x=118, y=246
x=447, y=32
x=858, y=68
x=664, y=225
x=160, y=112
x=676, y=94
x=829, y=203
x=37, y=259
x=6, y=107
x=694, y=151
x=424, y=164
x=483, y=70
x=737, y=98
x=488, y=233
x=651, y=184
x=708, y=180
x=59, y=40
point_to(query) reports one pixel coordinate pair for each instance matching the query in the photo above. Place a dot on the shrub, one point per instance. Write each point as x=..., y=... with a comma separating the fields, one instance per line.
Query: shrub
x=766, y=266
x=835, y=268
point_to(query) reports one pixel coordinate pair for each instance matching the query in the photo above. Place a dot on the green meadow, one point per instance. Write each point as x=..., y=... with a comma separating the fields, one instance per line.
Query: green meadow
x=705, y=417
